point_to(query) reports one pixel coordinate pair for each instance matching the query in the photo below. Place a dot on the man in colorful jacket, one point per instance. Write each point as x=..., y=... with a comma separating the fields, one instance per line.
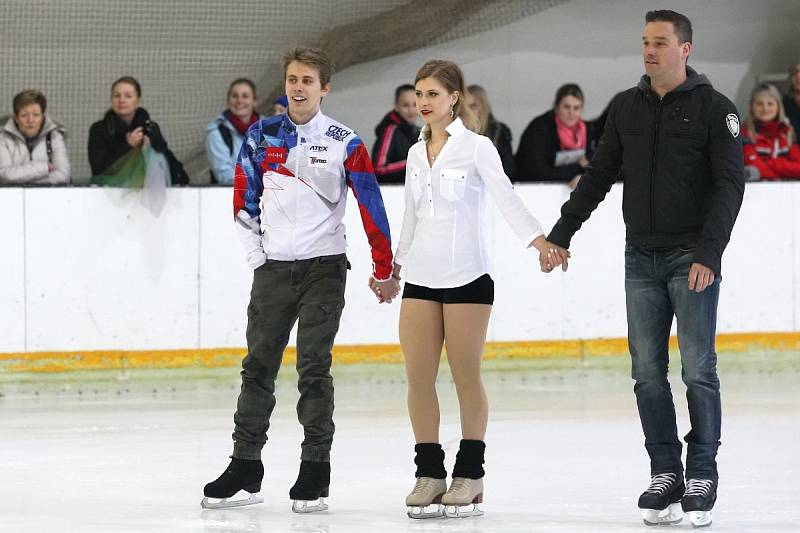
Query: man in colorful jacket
x=289, y=200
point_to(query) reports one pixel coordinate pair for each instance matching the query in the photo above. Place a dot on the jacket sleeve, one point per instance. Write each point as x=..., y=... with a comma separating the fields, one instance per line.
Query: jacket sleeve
x=361, y=179
x=787, y=167
x=490, y=169
x=409, y=223
x=219, y=157
x=593, y=187
x=503, y=145
x=752, y=159
x=27, y=172
x=248, y=187
x=384, y=146
x=59, y=175
x=99, y=149
x=727, y=186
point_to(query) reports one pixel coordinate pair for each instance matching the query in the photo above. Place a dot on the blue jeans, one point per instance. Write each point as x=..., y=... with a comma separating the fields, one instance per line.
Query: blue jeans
x=656, y=289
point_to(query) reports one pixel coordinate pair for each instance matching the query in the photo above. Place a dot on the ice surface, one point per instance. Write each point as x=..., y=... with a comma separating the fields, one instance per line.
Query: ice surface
x=564, y=453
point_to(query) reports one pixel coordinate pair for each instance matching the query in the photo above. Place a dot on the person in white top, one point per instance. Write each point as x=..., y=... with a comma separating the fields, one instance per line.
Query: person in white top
x=448, y=293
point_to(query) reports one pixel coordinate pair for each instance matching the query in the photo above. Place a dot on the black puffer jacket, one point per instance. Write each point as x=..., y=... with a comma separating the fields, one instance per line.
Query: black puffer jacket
x=682, y=167
x=107, y=143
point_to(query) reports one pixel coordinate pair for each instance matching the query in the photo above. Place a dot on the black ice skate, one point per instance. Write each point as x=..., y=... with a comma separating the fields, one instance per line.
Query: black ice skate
x=660, y=502
x=311, y=488
x=241, y=474
x=698, y=501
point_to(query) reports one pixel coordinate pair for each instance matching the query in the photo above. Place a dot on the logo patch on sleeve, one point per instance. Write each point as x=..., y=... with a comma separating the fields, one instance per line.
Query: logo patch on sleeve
x=276, y=154
x=732, y=121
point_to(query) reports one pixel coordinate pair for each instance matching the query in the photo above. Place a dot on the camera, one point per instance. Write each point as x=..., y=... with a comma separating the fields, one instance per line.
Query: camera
x=147, y=127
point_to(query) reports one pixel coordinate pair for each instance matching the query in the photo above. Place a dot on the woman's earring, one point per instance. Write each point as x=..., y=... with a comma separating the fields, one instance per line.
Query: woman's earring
x=451, y=110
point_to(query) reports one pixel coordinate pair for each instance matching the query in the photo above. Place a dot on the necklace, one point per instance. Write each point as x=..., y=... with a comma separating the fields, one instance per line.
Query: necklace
x=435, y=154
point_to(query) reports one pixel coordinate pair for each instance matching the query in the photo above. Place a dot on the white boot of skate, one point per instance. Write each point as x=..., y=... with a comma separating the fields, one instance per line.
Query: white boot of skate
x=425, y=499
x=463, y=497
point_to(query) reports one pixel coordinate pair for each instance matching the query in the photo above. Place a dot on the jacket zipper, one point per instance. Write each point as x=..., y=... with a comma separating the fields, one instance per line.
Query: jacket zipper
x=659, y=105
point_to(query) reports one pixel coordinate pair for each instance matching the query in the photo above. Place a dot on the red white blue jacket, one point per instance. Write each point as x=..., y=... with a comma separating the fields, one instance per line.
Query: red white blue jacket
x=771, y=151
x=290, y=189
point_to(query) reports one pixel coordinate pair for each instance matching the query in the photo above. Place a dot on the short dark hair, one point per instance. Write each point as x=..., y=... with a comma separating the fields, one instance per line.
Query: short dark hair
x=315, y=57
x=130, y=80
x=680, y=23
x=28, y=97
x=568, y=89
x=401, y=89
x=242, y=81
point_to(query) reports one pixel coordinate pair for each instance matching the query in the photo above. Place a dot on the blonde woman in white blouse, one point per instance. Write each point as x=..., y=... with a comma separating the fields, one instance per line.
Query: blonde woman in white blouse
x=448, y=293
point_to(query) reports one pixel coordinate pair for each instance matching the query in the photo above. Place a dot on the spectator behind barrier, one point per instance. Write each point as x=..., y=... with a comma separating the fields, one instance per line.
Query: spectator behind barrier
x=500, y=135
x=791, y=100
x=279, y=106
x=556, y=145
x=770, y=149
x=118, y=143
x=224, y=136
x=396, y=133
x=32, y=149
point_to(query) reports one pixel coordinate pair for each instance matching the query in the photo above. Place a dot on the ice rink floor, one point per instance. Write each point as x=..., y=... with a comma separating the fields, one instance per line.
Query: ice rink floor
x=131, y=453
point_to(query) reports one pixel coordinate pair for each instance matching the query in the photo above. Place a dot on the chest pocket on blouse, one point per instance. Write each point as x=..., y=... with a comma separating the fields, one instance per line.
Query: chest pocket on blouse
x=452, y=184
x=413, y=182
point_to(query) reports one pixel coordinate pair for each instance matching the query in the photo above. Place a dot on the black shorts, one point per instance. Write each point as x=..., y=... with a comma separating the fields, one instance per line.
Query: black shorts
x=480, y=291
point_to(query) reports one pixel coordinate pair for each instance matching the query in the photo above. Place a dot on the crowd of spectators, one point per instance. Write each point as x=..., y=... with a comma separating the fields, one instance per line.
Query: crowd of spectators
x=126, y=146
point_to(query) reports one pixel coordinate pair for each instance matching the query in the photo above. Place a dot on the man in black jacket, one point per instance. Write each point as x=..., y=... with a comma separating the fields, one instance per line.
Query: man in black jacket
x=677, y=143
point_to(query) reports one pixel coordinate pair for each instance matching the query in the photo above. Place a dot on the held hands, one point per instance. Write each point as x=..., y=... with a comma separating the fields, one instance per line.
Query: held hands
x=551, y=255
x=387, y=290
x=700, y=277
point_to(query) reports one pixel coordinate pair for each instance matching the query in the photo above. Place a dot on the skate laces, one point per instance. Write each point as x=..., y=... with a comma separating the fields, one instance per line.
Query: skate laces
x=423, y=485
x=660, y=483
x=459, y=484
x=698, y=487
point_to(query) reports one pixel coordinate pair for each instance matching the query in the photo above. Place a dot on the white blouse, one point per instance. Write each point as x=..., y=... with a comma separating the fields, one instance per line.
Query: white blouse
x=441, y=243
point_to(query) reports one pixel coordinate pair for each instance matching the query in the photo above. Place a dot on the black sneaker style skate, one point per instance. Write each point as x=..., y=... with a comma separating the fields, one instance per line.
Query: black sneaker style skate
x=311, y=488
x=660, y=502
x=698, y=501
x=241, y=474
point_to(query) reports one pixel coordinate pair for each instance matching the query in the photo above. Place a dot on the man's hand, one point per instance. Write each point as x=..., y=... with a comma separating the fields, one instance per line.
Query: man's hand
x=551, y=255
x=700, y=277
x=385, y=291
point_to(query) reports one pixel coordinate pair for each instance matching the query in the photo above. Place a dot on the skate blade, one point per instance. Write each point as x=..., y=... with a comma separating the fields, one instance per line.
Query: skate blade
x=418, y=512
x=699, y=518
x=312, y=506
x=673, y=514
x=462, y=511
x=226, y=503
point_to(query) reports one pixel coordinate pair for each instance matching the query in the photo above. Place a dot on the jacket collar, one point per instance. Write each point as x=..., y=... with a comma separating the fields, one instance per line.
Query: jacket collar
x=312, y=126
x=49, y=125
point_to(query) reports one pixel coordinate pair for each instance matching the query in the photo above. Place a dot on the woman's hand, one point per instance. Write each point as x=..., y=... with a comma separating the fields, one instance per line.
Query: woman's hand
x=135, y=137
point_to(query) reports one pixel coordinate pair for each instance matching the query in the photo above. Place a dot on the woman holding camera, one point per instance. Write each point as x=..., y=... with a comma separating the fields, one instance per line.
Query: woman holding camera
x=116, y=141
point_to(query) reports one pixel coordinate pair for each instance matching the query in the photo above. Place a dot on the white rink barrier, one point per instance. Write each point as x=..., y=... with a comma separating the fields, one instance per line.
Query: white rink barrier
x=112, y=269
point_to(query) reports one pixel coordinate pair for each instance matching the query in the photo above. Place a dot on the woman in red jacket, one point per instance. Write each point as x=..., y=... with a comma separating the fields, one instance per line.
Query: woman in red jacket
x=770, y=150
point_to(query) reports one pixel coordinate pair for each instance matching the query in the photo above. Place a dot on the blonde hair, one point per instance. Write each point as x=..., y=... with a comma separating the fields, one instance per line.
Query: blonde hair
x=479, y=94
x=450, y=76
x=315, y=57
x=771, y=91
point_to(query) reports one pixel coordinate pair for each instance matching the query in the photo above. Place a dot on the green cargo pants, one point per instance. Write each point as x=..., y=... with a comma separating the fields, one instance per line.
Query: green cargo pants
x=310, y=292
